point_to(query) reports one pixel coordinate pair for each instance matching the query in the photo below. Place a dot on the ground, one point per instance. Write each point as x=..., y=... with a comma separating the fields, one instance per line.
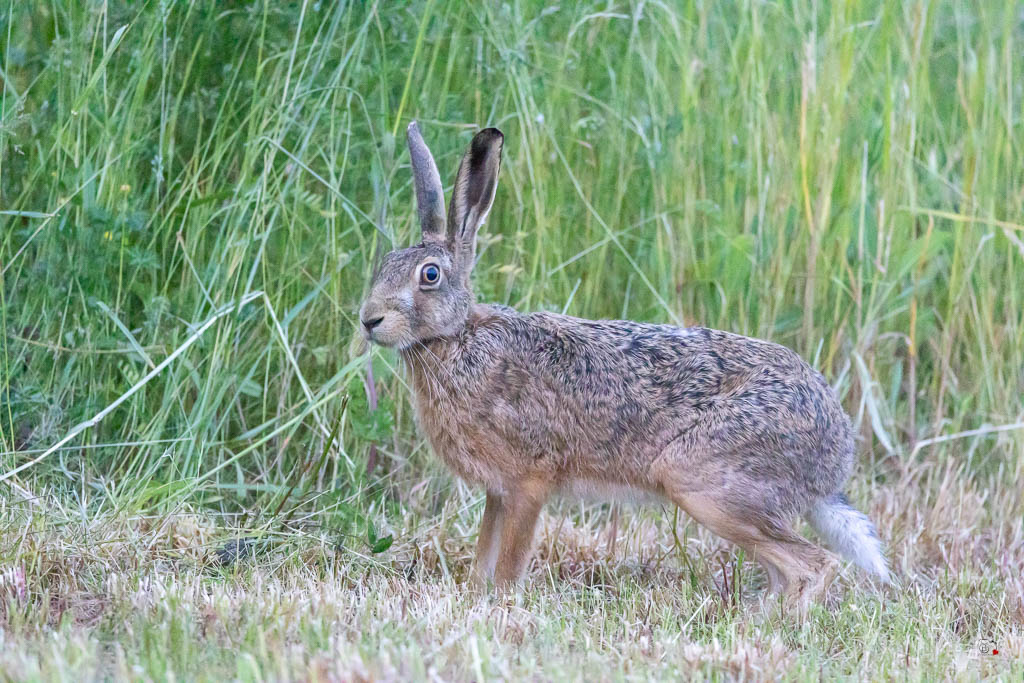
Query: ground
x=613, y=594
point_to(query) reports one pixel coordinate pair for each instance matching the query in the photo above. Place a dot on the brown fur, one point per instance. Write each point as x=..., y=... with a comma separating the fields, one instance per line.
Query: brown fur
x=740, y=433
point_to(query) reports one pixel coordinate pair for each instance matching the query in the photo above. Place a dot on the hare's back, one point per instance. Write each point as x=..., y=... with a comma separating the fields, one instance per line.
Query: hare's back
x=641, y=370
x=752, y=388
x=661, y=354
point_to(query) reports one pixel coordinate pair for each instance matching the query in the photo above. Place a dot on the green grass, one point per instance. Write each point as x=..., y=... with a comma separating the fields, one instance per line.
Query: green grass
x=842, y=178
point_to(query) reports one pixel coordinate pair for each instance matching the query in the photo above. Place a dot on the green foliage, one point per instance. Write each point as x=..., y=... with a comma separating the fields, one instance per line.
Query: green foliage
x=370, y=426
x=378, y=544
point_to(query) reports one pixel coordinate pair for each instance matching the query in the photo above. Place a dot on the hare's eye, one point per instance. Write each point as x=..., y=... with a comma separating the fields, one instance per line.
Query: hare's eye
x=430, y=274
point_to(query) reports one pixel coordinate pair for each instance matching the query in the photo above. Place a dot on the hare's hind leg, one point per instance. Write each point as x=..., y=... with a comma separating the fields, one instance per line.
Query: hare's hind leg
x=806, y=569
x=796, y=567
x=520, y=508
x=489, y=539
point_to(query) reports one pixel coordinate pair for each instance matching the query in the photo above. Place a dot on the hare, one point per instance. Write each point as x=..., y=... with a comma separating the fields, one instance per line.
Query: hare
x=740, y=433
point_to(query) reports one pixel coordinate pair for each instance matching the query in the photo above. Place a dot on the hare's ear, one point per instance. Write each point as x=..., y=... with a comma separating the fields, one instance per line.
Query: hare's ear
x=429, y=193
x=473, y=194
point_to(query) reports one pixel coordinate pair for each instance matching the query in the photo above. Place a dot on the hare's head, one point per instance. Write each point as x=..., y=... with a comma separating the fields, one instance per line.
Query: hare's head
x=422, y=292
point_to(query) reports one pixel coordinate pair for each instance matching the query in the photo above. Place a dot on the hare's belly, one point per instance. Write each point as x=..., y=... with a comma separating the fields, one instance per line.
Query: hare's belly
x=601, y=490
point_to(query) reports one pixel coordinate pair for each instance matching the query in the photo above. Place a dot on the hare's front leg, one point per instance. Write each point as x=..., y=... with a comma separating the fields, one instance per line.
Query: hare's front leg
x=489, y=540
x=520, y=509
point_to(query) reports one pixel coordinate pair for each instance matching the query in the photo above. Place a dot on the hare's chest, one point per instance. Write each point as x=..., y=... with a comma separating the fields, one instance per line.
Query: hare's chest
x=469, y=450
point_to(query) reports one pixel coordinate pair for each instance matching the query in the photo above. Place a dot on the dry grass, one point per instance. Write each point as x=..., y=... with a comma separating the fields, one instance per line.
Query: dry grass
x=612, y=595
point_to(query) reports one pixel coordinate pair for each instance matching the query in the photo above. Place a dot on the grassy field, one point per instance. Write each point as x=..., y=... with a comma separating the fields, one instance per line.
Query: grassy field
x=193, y=483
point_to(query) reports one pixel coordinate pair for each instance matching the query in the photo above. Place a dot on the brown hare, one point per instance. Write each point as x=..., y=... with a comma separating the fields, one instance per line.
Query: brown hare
x=740, y=433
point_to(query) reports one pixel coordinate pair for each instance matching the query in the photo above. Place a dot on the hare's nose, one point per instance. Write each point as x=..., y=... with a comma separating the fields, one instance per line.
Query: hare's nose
x=372, y=323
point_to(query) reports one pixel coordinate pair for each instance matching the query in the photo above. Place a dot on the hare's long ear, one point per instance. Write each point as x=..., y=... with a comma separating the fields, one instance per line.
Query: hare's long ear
x=429, y=193
x=473, y=194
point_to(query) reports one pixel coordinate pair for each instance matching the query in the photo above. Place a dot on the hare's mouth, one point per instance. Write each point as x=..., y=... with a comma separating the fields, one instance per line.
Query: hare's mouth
x=376, y=328
x=387, y=332
x=379, y=339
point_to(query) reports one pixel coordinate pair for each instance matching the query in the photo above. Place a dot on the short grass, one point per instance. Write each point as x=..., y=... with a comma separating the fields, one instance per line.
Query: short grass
x=192, y=195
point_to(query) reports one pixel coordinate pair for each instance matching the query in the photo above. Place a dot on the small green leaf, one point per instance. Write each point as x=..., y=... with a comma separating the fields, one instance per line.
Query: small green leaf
x=382, y=544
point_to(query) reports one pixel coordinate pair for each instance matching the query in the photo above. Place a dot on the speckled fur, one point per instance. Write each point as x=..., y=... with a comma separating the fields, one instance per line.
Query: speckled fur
x=740, y=433
x=623, y=401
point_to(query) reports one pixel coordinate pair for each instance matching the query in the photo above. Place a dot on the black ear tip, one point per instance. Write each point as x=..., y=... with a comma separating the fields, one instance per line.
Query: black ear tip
x=486, y=140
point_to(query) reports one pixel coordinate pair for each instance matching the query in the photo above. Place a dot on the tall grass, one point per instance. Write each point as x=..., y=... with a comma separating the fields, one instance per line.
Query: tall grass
x=843, y=178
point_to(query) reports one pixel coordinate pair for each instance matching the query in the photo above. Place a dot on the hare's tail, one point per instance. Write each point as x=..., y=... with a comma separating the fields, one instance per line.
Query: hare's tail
x=850, y=533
